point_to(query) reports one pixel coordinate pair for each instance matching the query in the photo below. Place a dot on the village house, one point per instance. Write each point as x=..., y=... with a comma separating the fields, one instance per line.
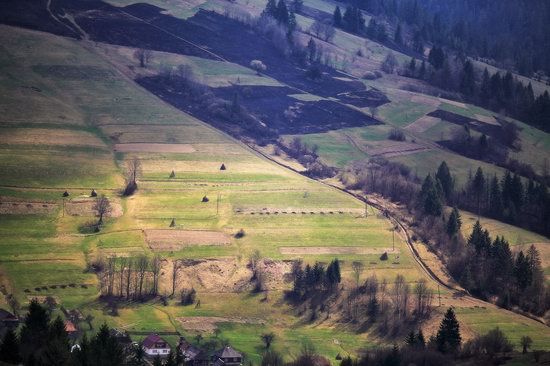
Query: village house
x=7, y=321
x=71, y=330
x=154, y=345
x=193, y=356
x=227, y=356
x=122, y=337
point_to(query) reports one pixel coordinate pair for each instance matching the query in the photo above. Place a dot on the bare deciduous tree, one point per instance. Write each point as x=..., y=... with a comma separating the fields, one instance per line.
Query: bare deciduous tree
x=141, y=270
x=129, y=277
x=357, y=268
x=401, y=291
x=424, y=297
x=110, y=271
x=102, y=206
x=122, y=268
x=177, y=265
x=155, y=269
x=133, y=172
x=143, y=56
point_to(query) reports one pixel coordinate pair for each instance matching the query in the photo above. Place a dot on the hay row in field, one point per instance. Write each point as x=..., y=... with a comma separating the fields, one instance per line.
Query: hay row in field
x=16, y=207
x=299, y=212
x=155, y=148
x=335, y=250
x=398, y=149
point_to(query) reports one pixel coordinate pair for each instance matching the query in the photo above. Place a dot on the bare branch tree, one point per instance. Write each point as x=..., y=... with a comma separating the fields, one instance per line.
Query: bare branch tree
x=102, y=206
x=129, y=277
x=133, y=172
x=155, y=269
x=424, y=297
x=177, y=265
x=122, y=268
x=357, y=268
x=143, y=56
x=142, y=267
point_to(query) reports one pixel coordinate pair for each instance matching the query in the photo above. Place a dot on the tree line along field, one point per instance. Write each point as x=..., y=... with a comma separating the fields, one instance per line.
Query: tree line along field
x=109, y=110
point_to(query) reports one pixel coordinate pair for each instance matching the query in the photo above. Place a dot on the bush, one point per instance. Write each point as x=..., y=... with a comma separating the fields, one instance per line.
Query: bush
x=240, y=234
x=188, y=296
x=130, y=189
x=369, y=75
x=397, y=135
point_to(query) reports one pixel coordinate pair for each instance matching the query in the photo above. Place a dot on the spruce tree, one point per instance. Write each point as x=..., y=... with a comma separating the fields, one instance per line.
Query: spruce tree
x=430, y=197
x=34, y=332
x=444, y=177
x=420, y=338
x=270, y=8
x=448, y=337
x=454, y=223
x=478, y=186
x=522, y=271
x=9, y=349
x=337, y=18
x=411, y=339
x=398, y=38
x=495, y=199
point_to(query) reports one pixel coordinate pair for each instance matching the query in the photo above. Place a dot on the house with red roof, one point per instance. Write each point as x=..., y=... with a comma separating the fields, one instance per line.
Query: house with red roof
x=154, y=345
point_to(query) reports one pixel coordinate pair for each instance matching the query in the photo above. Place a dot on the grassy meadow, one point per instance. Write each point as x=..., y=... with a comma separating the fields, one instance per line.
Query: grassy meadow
x=82, y=107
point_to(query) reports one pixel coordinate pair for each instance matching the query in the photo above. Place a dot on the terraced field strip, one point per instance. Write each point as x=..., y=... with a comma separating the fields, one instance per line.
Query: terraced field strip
x=335, y=250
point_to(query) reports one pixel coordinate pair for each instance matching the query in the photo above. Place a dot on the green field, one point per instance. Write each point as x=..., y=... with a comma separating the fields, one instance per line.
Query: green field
x=83, y=95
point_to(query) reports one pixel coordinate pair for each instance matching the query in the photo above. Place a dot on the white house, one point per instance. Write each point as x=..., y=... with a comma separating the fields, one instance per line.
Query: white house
x=154, y=345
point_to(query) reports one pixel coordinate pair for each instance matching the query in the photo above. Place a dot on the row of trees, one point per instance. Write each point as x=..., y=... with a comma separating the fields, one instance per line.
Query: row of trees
x=131, y=278
x=491, y=30
x=483, y=266
x=477, y=261
x=509, y=199
x=389, y=305
x=42, y=341
x=488, y=268
x=502, y=93
x=314, y=279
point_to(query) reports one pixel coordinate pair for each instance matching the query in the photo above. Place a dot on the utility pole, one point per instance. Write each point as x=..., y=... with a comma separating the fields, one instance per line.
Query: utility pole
x=393, y=238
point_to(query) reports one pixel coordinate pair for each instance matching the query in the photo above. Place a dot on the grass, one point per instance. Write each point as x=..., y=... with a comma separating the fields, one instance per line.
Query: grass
x=111, y=104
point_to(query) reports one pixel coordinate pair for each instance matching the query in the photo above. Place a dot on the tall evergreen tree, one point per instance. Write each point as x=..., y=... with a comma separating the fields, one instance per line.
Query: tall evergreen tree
x=337, y=18
x=448, y=336
x=398, y=38
x=522, y=271
x=34, y=332
x=444, y=177
x=430, y=197
x=270, y=8
x=454, y=223
x=478, y=187
x=9, y=349
x=495, y=199
x=468, y=82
